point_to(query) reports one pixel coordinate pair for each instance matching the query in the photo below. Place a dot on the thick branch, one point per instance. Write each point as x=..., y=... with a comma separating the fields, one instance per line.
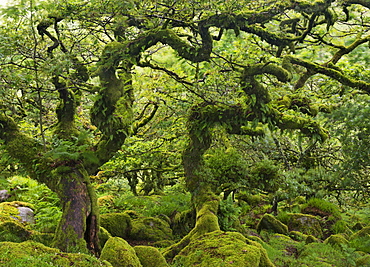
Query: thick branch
x=332, y=73
x=25, y=149
x=365, y=3
x=305, y=125
x=145, y=120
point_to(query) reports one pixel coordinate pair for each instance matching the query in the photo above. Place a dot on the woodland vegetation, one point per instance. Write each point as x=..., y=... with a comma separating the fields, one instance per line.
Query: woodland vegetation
x=219, y=125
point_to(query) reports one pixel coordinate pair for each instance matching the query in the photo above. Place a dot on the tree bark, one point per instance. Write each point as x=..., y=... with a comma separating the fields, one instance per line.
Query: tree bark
x=77, y=230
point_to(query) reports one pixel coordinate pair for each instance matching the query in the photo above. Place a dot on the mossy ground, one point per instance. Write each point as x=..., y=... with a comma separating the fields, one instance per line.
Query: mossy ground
x=31, y=253
x=220, y=248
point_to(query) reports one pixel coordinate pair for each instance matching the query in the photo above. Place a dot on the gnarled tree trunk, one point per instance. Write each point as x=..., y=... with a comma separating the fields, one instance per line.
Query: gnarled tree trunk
x=78, y=228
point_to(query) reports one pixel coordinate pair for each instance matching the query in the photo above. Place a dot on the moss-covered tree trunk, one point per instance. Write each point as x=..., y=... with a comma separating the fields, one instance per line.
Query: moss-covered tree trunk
x=204, y=199
x=78, y=228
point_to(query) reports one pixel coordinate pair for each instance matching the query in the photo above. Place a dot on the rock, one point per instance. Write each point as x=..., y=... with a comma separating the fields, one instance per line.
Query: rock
x=150, y=229
x=117, y=224
x=220, y=248
x=119, y=253
x=336, y=240
x=183, y=222
x=104, y=235
x=361, y=240
x=150, y=257
x=4, y=195
x=311, y=239
x=270, y=223
x=31, y=253
x=297, y=236
x=307, y=224
x=363, y=261
x=13, y=231
x=364, y=232
x=15, y=210
x=26, y=214
x=358, y=226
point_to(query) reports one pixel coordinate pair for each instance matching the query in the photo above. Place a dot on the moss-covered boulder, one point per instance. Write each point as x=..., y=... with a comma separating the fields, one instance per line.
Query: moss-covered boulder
x=183, y=222
x=104, y=235
x=311, y=239
x=44, y=238
x=220, y=248
x=336, y=240
x=297, y=236
x=10, y=210
x=364, y=232
x=119, y=253
x=31, y=253
x=150, y=229
x=305, y=223
x=363, y=261
x=270, y=223
x=13, y=231
x=150, y=257
x=361, y=240
x=117, y=224
x=322, y=208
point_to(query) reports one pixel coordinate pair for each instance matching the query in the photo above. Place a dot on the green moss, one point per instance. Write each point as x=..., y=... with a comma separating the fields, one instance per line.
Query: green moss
x=361, y=240
x=298, y=236
x=305, y=223
x=150, y=229
x=364, y=232
x=320, y=254
x=321, y=207
x=8, y=212
x=43, y=238
x=336, y=240
x=119, y=253
x=222, y=249
x=104, y=235
x=13, y=231
x=183, y=222
x=150, y=256
x=311, y=239
x=363, y=261
x=31, y=253
x=132, y=214
x=117, y=224
x=340, y=226
x=105, y=201
x=68, y=240
x=269, y=222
